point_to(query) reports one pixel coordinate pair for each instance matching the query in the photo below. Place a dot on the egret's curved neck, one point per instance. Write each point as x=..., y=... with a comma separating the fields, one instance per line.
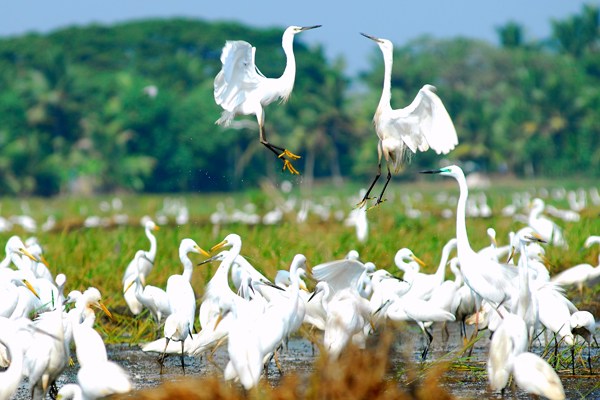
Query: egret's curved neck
x=386, y=93
x=462, y=240
x=151, y=254
x=441, y=271
x=289, y=73
x=11, y=377
x=188, y=266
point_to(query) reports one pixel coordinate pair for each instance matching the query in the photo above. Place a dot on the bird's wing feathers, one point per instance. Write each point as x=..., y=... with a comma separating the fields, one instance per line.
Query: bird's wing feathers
x=425, y=123
x=339, y=274
x=238, y=74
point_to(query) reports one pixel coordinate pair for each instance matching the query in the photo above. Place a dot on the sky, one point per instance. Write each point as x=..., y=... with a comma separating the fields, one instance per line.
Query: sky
x=397, y=20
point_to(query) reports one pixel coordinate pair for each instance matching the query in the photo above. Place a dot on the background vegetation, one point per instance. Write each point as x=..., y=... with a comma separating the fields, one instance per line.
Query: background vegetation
x=77, y=115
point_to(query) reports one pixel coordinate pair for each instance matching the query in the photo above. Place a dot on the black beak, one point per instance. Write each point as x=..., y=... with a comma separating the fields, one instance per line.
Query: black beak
x=376, y=39
x=306, y=28
x=431, y=171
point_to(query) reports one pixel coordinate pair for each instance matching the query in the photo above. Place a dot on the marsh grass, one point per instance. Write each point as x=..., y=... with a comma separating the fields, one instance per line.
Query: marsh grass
x=98, y=257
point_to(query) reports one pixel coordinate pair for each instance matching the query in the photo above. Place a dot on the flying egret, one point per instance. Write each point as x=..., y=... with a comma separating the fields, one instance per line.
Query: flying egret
x=141, y=267
x=423, y=124
x=240, y=88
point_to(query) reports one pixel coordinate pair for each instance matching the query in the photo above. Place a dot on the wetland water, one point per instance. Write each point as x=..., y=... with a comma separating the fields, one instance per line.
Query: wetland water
x=466, y=379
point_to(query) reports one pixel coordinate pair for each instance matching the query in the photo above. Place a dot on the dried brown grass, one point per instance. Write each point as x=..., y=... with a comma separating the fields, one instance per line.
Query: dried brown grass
x=357, y=374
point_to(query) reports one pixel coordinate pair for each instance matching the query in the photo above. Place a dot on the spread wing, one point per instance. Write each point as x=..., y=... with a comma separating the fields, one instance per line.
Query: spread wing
x=238, y=74
x=339, y=274
x=425, y=123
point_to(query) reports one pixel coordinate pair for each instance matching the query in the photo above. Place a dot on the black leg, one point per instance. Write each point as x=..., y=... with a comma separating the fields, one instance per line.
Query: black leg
x=366, y=197
x=161, y=358
x=182, y=362
x=380, y=199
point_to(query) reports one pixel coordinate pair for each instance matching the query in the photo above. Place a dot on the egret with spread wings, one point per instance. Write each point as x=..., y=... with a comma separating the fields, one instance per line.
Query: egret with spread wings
x=240, y=88
x=423, y=124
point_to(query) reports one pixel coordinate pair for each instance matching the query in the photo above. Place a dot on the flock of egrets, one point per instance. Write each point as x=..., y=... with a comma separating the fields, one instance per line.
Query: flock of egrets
x=255, y=316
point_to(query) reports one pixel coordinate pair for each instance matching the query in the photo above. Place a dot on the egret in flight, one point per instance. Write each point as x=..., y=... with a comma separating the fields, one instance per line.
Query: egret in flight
x=240, y=88
x=423, y=124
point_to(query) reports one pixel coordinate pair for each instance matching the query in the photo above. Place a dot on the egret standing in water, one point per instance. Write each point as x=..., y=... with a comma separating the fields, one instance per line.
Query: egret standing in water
x=423, y=124
x=240, y=88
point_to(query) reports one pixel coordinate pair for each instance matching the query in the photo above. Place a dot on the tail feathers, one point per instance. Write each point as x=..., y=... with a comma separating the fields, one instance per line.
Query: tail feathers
x=226, y=118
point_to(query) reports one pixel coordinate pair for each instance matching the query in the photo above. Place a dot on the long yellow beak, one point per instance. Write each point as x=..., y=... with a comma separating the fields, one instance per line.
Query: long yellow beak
x=218, y=246
x=202, y=251
x=31, y=288
x=28, y=254
x=418, y=260
x=103, y=308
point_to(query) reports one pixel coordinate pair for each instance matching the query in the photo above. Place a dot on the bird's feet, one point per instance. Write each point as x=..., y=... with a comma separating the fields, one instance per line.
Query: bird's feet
x=287, y=164
x=377, y=203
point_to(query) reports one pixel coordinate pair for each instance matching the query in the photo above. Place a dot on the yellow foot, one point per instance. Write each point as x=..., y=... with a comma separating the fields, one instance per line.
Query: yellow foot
x=376, y=204
x=362, y=203
x=287, y=164
x=287, y=153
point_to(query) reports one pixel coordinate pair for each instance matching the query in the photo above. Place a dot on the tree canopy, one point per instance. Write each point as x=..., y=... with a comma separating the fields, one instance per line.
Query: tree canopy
x=130, y=106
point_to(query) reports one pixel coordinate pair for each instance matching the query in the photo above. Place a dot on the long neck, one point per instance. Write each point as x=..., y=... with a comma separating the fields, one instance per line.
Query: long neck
x=386, y=93
x=188, y=266
x=151, y=254
x=524, y=297
x=462, y=239
x=441, y=270
x=289, y=73
x=11, y=378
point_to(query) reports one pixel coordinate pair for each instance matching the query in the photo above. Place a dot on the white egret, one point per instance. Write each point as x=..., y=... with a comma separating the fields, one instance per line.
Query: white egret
x=141, y=267
x=347, y=315
x=423, y=124
x=97, y=375
x=182, y=300
x=241, y=89
x=581, y=273
x=423, y=285
x=583, y=324
x=253, y=338
x=47, y=354
x=11, y=337
x=534, y=375
x=526, y=304
x=153, y=298
x=546, y=228
x=345, y=273
x=508, y=341
x=487, y=278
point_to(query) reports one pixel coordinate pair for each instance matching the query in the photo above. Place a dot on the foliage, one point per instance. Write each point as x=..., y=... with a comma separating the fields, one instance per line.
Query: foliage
x=79, y=113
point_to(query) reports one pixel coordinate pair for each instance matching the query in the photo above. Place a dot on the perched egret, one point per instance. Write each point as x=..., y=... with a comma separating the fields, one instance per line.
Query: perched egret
x=140, y=267
x=153, y=298
x=240, y=88
x=347, y=315
x=487, y=278
x=546, y=228
x=581, y=273
x=508, y=341
x=534, y=375
x=423, y=124
x=182, y=300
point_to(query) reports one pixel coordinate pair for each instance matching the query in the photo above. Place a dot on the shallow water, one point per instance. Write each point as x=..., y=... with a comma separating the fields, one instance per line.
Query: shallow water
x=465, y=379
